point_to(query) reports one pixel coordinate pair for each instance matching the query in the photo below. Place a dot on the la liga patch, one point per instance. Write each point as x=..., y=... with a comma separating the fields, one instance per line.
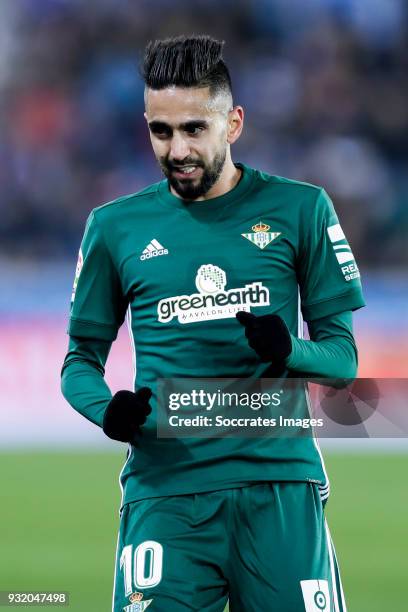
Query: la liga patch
x=79, y=265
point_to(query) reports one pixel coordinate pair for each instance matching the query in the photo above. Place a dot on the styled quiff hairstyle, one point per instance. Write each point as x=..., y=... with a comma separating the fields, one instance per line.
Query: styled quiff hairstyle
x=187, y=61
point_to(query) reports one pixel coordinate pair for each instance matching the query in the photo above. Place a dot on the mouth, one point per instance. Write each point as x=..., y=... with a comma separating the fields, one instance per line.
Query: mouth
x=188, y=171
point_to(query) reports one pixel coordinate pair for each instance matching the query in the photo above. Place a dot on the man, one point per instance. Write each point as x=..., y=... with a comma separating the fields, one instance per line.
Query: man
x=206, y=520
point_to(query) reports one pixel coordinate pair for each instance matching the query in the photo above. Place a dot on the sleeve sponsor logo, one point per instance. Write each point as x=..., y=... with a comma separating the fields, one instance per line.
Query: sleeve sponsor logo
x=343, y=252
x=335, y=233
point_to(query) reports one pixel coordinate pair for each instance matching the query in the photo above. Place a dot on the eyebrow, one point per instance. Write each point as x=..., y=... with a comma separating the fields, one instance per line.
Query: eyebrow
x=187, y=125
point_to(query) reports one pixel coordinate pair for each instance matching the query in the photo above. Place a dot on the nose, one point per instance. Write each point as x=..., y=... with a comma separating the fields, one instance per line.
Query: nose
x=179, y=149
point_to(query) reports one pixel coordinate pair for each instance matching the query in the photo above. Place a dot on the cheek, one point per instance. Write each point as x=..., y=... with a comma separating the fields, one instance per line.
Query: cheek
x=220, y=144
x=160, y=149
x=211, y=146
x=220, y=129
x=219, y=141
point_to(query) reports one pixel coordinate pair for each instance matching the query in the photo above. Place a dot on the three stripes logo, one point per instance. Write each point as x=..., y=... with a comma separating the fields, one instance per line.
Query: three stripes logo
x=343, y=252
x=153, y=249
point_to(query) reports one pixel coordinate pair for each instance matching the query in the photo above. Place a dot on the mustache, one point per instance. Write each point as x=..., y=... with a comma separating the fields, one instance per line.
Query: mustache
x=187, y=162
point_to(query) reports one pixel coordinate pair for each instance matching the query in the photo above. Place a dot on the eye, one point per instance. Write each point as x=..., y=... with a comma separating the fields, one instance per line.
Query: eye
x=161, y=133
x=194, y=130
x=160, y=130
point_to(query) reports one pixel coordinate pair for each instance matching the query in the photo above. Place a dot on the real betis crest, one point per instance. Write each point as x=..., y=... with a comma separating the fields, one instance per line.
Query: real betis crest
x=136, y=603
x=261, y=235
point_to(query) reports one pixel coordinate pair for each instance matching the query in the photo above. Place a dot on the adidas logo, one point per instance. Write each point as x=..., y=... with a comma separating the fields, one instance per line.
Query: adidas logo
x=153, y=249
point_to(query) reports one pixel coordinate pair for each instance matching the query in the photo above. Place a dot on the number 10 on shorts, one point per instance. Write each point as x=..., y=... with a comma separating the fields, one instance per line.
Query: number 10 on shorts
x=147, y=561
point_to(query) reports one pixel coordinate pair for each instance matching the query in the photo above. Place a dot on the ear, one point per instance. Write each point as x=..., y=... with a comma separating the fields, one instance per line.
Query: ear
x=235, y=124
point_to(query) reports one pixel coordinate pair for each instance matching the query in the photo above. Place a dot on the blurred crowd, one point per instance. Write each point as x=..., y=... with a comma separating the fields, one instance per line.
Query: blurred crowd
x=324, y=84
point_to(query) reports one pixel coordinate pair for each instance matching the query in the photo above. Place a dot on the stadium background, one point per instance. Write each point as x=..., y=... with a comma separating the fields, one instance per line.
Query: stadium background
x=324, y=84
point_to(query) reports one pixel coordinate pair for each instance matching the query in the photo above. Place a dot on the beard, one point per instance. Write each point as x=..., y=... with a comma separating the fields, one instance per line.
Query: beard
x=193, y=188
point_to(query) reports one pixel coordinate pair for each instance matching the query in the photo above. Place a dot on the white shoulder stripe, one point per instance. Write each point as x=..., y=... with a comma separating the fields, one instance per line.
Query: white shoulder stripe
x=344, y=256
x=335, y=233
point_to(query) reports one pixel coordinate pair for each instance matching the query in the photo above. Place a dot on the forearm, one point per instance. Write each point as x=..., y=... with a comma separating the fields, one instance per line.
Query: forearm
x=330, y=353
x=82, y=378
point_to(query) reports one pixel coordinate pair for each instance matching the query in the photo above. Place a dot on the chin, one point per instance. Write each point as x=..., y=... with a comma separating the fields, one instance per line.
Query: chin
x=188, y=188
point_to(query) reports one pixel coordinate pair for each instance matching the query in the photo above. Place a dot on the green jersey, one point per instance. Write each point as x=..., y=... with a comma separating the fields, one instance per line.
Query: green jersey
x=180, y=271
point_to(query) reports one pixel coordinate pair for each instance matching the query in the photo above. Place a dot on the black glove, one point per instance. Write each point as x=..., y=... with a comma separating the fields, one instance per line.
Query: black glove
x=125, y=413
x=267, y=335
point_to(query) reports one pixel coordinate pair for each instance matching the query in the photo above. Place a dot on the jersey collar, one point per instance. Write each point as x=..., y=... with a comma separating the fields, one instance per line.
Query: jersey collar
x=241, y=188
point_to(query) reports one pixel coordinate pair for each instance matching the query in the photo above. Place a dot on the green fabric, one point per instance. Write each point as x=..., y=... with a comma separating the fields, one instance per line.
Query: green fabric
x=98, y=304
x=82, y=377
x=277, y=538
x=181, y=271
x=331, y=351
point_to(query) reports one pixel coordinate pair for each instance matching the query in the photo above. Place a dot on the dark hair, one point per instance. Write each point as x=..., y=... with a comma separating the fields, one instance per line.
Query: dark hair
x=193, y=61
